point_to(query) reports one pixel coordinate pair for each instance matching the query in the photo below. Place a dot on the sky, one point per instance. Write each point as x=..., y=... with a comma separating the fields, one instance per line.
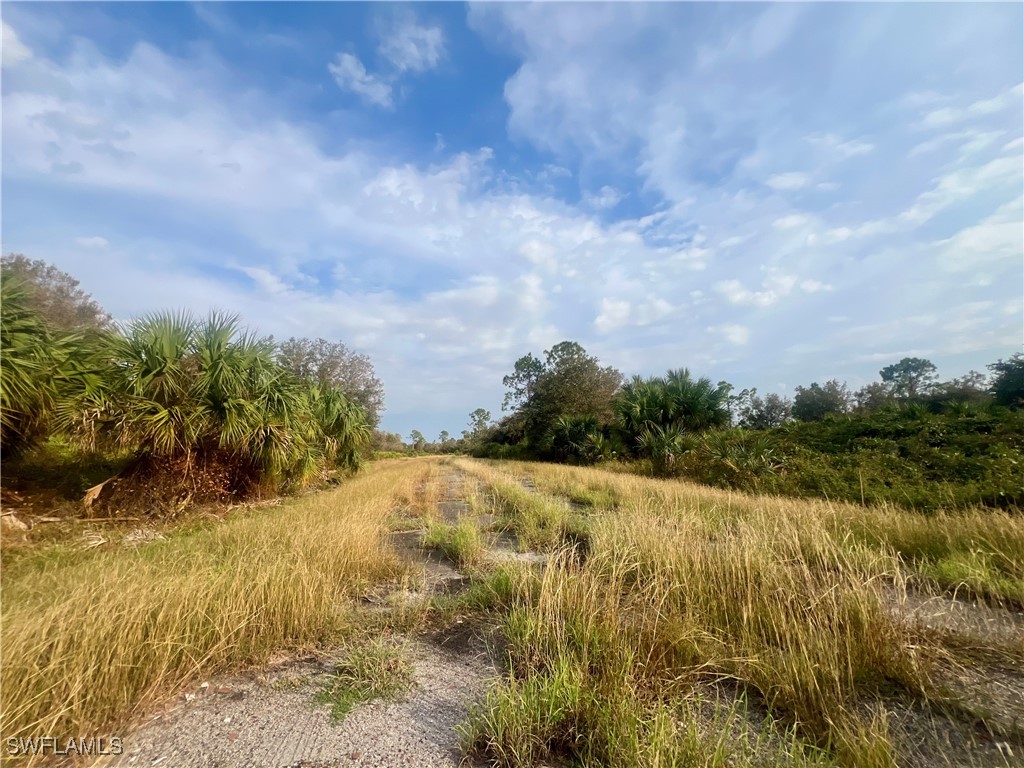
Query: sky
x=769, y=194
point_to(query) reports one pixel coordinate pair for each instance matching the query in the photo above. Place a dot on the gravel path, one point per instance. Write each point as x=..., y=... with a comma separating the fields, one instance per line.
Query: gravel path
x=271, y=719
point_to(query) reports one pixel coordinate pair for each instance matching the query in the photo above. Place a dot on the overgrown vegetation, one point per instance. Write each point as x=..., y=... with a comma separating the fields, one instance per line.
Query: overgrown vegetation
x=89, y=634
x=909, y=439
x=462, y=542
x=201, y=410
x=696, y=609
x=373, y=669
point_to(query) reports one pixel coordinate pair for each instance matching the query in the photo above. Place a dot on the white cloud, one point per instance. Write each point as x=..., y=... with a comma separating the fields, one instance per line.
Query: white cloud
x=614, y=314
x=733, y=333
x=949, y=115
x=813, y=286
x=350, y=75
x=774, y=287
x=788, y=181
x=412, y=47
x=92, y=242
x=734, y=240
x=789, y=222
x=844, y=149
x=14, y=51
x=607, y=197
x=997, y=238
x=970, y=142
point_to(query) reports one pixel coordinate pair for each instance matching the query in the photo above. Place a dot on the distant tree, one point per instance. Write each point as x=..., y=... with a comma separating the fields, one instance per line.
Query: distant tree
x=417, y=439
x=53, y=294
x=386, y=441
x=731, y=401
x=972, y=387
x=521, y=381
x=335, y=364
x=444, y=437
x=1008, y=381
x=910, y=378
x=873, y=397
x=572, y=383
x=768, y=412
x=815, y=402
x=479, y=420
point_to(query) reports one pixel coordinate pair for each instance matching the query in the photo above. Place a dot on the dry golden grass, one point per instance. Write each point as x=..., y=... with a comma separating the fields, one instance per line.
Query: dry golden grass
x=89, y=636
x=800, y=603
x=977, y=551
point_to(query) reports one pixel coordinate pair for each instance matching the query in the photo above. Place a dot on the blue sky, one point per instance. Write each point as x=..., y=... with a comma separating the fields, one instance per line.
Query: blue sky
x=767, y=194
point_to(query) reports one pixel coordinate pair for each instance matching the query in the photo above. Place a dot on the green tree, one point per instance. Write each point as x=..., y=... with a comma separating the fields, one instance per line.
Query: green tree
x=333, y=364
x=34, y=362
x=53, y=294
x=386, y=441
x=479, y=421
x=206, y=404
x=417, y=439
x=815, y=402
x=676, y=399
x=873, y=397
x=972, y=388
x=444, y=437
x=1008, y=381
x=910, y=378
x=522, y=380
x=768, y=412
x=572, y=383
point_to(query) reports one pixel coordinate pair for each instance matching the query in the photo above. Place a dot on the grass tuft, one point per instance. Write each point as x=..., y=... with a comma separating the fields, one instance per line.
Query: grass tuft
x=462, y=543
x=378, y=669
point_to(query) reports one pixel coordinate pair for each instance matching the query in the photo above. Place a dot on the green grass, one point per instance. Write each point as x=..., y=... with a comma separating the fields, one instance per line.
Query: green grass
x=539, y=522
x=461, y=543
x=556, y=714
x=376, y=669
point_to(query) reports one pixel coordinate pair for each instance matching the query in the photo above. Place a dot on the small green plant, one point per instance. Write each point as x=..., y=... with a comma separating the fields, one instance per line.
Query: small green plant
x=378, y=669
x=460, y=543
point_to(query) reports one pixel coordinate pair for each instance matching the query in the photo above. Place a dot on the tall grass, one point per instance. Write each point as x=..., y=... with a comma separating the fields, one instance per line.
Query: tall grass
x=461, y=542
x=88, y=637
x=684, y=587
x=975, y=551
x=539, y=522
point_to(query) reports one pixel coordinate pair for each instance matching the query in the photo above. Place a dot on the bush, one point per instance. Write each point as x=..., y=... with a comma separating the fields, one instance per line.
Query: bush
x=907, y=456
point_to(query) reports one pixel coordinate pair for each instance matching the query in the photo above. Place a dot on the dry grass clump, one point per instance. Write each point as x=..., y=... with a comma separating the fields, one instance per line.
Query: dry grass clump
x=539, y=522
x=89, y=636
x=684, y=586
x=977, y=552
x=418, y=492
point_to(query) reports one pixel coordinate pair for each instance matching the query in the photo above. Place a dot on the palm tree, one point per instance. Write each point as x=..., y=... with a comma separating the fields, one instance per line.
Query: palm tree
x=209, y=401
x=694, y=404
x=33, y=360
x=656, y=413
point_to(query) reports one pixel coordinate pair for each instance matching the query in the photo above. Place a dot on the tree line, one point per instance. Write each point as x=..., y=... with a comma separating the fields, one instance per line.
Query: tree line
x=568, y=406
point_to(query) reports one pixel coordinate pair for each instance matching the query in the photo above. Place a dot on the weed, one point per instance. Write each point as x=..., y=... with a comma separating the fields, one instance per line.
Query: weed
x=461, y=543
x=377, y=669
